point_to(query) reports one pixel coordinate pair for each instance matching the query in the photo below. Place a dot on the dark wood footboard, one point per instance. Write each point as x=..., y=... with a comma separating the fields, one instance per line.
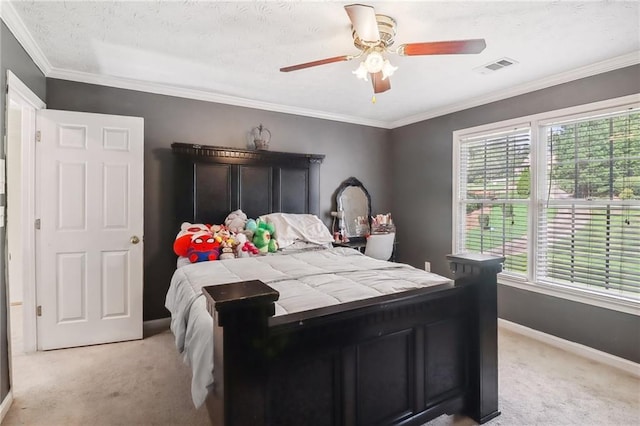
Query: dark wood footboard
x=400, y=359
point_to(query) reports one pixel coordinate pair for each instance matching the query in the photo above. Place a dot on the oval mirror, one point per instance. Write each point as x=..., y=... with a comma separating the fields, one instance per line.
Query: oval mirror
x=353, y=199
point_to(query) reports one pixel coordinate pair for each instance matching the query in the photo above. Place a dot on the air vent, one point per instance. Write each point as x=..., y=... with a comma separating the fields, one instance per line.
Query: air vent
x=495, y=66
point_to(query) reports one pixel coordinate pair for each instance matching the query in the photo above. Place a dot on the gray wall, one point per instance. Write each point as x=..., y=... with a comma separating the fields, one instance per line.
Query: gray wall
x=422, y=183
x=350, y=150
x=14, y=58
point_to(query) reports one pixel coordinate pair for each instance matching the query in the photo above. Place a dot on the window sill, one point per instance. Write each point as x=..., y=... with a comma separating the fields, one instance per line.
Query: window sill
x=589, y=298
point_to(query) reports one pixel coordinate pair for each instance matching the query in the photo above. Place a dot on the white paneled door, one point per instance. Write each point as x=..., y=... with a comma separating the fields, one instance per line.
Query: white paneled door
x=89, y=205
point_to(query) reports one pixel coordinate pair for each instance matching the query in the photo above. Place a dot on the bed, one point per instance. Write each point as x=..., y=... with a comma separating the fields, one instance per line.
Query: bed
x=403, y=350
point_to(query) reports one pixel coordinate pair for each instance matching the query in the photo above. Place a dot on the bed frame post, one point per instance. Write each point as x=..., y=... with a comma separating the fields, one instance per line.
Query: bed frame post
x=479, y=272
x=240, y=314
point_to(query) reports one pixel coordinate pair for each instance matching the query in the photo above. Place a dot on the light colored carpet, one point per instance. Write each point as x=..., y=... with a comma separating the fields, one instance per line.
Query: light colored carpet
x=144, y=382
x=141, y=382
x=542, y=385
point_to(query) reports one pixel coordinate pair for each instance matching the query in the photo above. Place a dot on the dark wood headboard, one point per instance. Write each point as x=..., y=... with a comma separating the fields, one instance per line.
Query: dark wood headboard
x=213, y=181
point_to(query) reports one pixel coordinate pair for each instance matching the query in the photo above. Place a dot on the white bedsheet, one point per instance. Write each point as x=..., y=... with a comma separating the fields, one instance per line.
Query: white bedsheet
x=305, y=281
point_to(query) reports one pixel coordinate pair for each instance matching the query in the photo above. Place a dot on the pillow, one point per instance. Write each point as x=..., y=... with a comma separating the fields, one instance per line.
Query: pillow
x=292, y=227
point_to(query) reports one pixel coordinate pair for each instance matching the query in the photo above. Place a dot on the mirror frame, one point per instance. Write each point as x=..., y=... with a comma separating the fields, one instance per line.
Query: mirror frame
x=353, y=182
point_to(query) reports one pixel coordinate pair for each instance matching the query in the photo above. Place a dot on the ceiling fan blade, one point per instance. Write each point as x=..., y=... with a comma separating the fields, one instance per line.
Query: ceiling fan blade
x=363, y=20
x=443, y=47
x=380, y=85
x=316, y=63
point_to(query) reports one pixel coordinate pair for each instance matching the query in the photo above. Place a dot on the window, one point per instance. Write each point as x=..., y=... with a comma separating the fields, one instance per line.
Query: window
x=590, y=217
x=494, y=196
x=558, y=197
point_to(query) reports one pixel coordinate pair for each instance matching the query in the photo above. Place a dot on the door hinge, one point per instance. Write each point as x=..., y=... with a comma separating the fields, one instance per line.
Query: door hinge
x=39, y=310
x=38, y=135
x=37, y=223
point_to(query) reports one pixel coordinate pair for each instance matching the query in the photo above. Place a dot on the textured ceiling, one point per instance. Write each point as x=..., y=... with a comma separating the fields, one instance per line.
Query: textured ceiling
x=235, y=49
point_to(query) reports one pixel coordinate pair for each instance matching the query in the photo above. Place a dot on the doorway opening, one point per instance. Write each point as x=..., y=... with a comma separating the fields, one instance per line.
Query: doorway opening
x=22, y=105
x=15, y=281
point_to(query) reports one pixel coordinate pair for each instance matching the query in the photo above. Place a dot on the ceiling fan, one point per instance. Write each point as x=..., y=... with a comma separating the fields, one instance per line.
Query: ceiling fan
x=373, y=35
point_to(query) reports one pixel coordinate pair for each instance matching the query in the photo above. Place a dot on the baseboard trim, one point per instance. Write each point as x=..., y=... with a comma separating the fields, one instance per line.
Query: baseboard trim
x=157, y=323
x=6, y=404
x=574, y=348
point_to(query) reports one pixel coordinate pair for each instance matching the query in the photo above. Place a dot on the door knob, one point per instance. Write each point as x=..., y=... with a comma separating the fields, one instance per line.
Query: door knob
x=135, y=239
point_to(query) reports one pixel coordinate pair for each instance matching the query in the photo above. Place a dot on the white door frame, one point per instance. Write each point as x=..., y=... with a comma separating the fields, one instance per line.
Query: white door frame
x=20, y=93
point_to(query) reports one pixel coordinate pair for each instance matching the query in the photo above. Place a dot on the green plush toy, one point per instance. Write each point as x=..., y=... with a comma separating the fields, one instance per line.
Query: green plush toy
x=262, y=238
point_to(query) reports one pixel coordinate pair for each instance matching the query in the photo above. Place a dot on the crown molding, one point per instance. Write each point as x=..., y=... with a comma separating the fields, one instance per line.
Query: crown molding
x=17, y=27
x=202, y=95
x=582, y=72
x=162, y=89
x=19, y=30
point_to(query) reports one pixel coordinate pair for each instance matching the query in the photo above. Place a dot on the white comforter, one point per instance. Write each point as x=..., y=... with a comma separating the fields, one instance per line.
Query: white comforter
x=305, y=281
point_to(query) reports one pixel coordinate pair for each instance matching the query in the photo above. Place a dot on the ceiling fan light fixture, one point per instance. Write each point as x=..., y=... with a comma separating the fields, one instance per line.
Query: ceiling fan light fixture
x=374, y=62
x=361, y=72
x=387, y=69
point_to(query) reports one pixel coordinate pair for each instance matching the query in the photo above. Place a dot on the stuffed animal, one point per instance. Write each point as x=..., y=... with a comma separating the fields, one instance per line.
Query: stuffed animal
x=221, y=233
x=244, y=247
x=226, y=246
x=250, y=248
x=185, y=235
x=236, y=221
x=250, y=228
x=227, y=253
x=203, y=247
x=262, y=238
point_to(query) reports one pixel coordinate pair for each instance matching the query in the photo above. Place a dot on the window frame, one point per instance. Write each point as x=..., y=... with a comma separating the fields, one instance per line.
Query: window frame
x=534, y=122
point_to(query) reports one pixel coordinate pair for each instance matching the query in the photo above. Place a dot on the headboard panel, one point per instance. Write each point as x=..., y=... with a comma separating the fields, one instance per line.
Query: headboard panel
x=213, y=181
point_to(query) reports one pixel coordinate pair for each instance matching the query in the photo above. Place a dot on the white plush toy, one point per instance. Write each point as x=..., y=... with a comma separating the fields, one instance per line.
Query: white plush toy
x=235, y=221
x=244, y=247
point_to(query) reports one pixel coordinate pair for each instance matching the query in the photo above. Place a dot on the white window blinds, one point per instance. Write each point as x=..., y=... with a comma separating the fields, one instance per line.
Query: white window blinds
x=494, y=188
x=589, y=221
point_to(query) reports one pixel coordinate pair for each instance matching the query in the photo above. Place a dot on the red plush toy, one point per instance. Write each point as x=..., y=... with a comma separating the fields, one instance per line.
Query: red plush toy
x=203, y=247
x=250, y=248
x=184, y=237
x=197, y=242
